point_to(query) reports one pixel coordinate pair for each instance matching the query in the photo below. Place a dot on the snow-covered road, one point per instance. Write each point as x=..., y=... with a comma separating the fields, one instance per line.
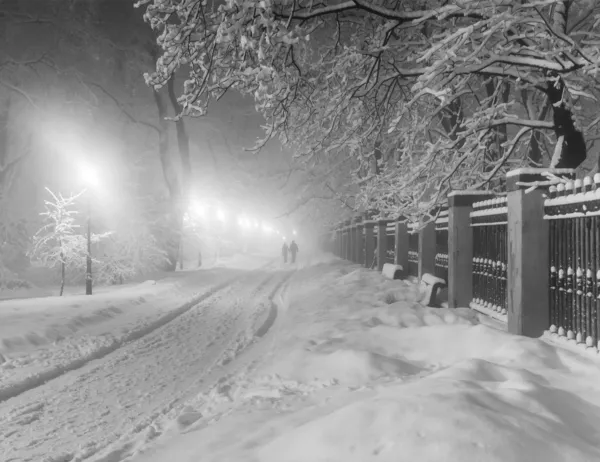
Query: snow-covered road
x=87, y=412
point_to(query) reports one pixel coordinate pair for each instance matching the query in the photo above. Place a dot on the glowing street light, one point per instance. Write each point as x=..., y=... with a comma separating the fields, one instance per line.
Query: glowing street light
x=221, y=215
x=294, y=232
x=198, y=209
x=89, y=176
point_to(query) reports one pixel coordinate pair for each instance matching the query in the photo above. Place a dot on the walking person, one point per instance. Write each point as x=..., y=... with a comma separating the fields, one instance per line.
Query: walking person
x=284, y=252
x=294, y=250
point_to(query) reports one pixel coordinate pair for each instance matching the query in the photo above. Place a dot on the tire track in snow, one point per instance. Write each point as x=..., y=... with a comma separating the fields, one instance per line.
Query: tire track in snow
x=14, y=389
x=76, y=416
x=152, y=427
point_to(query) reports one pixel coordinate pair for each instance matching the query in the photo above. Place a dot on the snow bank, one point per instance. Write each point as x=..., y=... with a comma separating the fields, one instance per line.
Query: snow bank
x=359, y=371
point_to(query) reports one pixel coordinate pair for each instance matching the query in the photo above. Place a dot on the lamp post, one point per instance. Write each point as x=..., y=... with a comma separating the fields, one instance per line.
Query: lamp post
x=89, y=176
x=88, y=270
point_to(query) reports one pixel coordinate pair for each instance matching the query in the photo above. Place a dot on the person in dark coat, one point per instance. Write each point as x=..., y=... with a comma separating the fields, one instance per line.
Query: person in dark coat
x=294, y=250
x=284, y=252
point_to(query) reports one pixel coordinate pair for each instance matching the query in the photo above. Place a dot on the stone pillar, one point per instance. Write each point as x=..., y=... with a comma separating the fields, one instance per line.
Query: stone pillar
x=528, y=254
x=348, y=243
x=359, y=244
x=355, y=250
x=381, y=243
x=352, y=241
x=427, y=249
x=338, y=242
x=369, y=243
x=401, y=242
x=460, y=247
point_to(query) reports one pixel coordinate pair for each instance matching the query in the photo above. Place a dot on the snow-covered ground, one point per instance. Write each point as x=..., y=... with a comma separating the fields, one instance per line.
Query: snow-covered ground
x=350, y=376
x=41, y=338
x=326, y=363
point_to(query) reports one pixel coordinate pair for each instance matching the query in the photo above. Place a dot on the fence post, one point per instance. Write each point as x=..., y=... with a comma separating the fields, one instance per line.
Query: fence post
x=369, y=241
x=528, y=255
x=427, y=249
x=401, y=240
x=460, y=247
x=381, y=243
x=348, y=243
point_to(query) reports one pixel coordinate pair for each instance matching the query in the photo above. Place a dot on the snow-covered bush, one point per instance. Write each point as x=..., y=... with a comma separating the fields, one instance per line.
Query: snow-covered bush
x=128, y=254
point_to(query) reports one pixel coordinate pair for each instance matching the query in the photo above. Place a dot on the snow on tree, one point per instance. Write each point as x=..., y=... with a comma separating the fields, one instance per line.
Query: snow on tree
x=425, y=96
x=57, y=243
x=128, y=254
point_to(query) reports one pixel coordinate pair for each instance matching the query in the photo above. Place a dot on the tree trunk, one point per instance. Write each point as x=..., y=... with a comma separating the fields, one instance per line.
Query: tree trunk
x=183, y=143
x=494, y=150
x=574, y=149
x=62, y=275
x=175, y=222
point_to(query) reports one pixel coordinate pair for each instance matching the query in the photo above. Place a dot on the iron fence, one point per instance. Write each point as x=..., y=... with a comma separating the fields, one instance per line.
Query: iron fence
x=413, y=250
x=573, y=210
x=489, y=220
x=441, y=245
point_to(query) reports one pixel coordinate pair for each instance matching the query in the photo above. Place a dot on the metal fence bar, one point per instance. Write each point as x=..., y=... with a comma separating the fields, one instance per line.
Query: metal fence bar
x=490, y=254
x=441, y=245
x=573, y=209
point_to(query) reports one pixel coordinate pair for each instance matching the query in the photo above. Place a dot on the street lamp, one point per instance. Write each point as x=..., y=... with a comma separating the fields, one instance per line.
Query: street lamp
x=90, y=178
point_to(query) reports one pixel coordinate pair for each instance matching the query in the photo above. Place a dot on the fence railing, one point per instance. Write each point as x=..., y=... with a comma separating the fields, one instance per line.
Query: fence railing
x=573, y=212
x=553, y=283
x=489, y=220
x=441, y=245
x=413, y=250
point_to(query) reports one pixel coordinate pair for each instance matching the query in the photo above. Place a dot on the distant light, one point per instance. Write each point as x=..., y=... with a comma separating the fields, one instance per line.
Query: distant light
x=198, y=209
x=255, y=224
x=89, y=175
x=294, y=232
x=221, y=215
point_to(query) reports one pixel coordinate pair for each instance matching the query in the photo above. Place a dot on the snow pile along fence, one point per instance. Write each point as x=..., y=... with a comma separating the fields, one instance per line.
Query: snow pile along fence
x=489, y=220
x=573, y=212
x=441, y=245
x=413, y=250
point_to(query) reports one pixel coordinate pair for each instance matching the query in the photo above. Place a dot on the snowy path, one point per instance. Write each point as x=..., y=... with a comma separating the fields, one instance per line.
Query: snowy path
x=82, y=413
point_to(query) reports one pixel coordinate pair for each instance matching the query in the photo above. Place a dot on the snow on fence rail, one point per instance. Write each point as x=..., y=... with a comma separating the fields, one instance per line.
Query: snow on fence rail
x=390, y=232
x=413, y=250
x=489, y=220
x=441, y=245
x=573, y=212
